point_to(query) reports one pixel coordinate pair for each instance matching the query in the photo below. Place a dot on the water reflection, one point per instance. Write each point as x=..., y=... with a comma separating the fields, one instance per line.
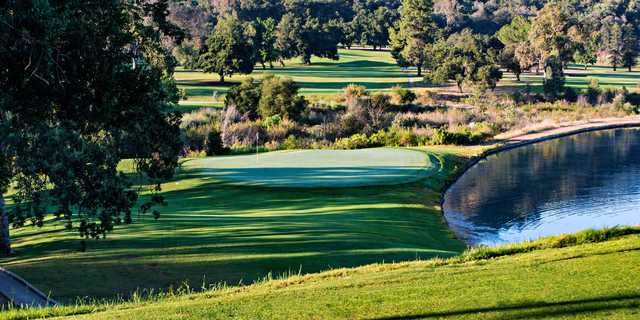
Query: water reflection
x=591, y=180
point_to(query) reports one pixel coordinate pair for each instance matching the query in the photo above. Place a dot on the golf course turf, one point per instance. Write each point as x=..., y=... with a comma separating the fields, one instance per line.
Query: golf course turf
x=213, y=231
x=563, y=281
x=319, y=168
x=377, y=71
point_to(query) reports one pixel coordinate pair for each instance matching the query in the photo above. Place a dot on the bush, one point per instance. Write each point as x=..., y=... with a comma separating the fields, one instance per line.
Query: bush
x=405, y=96
x=352, y=93
x=214, y=144
x=292, y=142
x=280, y=97
x=196, y=127
x=244, y=98
x=356, y=141
x=243, y=134
x=463, y=136
x=570, y=94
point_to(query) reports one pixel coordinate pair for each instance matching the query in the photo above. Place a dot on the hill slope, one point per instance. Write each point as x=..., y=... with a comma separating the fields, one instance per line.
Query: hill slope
x=594, y=280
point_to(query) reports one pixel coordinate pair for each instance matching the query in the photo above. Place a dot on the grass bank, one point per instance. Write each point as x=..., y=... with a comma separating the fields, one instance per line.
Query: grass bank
x=214, y=232
x=563, y=277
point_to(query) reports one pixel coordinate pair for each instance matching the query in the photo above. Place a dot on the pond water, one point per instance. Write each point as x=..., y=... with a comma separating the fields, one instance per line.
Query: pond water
x=589, y=180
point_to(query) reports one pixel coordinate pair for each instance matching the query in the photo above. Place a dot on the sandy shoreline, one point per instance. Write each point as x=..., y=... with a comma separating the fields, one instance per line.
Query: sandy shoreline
x=561, y=130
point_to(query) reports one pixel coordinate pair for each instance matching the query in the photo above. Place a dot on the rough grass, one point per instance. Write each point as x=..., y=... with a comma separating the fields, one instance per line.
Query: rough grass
x=212, y=232
x=562, y=277
x=377, y=71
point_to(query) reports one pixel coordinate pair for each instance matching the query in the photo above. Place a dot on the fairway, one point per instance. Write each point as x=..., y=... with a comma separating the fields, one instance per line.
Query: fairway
x=323, y=78
x=215, y=231
x=319, y=168
x=376, y=70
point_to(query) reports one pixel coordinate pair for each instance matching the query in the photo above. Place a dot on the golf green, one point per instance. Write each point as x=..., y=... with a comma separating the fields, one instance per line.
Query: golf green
x=318, y=168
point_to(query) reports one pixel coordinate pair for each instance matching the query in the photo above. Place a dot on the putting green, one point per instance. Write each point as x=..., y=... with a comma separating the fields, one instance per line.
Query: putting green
x=318, y=168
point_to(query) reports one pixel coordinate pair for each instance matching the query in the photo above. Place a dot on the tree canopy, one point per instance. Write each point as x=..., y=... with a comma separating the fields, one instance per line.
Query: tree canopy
x=81, y=92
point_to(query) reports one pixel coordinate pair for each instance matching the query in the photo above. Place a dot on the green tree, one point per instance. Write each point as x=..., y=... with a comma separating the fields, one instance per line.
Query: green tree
x=279, y=96
x=552, y=34
x=415, y=31
x=513, y=36
x=267, y=51
x=552, y=39
x=466, y=59
x=84, y=85
x=630, y=48
x=230, y=48
x=613, y=43
x=553, y=85
x=381, y=21
x=516, y=32
x=310, y=28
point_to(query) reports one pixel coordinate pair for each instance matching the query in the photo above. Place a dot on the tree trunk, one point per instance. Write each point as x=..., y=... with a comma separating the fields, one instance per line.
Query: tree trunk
x=221, y=77
x=629, y=68
x=518, y=76
x=282, y=63
x=419, y=71
x=270, y=65
x=263, y=66
x=5, y=240
x=615, y=67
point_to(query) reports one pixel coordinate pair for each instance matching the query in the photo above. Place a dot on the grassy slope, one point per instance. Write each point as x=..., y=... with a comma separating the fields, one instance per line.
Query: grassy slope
x=374, y=69
x=590, y=281
x=225, y=233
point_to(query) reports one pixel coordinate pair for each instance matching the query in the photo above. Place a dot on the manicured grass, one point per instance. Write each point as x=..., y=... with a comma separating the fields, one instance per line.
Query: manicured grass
x=377, y=71
x=577, y=77
x=587, y=280
x=322, y=79
x=213, y=232
x=320, y=168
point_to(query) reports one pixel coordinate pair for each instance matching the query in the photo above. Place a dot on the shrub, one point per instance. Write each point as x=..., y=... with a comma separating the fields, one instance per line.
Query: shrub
x=405, y=96
x=352, y=93
x=244, y=98
x=292, y=142
x=196, y=127
x=214, y=144
x=349, y=125
x=356, y=141
x=271, y=121
x=243, y=134
x=570, y=94
x=461, y=136
x=281, y=130
x=280, y=97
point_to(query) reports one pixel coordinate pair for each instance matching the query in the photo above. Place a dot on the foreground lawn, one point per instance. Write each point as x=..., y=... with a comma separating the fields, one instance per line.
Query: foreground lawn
x=215, y=232
x=589, y=281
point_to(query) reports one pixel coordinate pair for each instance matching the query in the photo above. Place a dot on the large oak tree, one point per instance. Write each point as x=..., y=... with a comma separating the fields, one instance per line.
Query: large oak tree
x=85, y=83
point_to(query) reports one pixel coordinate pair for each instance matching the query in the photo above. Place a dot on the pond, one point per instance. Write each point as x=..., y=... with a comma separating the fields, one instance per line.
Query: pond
x=589, y=180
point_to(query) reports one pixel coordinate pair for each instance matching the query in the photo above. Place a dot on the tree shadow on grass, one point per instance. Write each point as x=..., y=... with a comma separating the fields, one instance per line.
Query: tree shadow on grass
x=538, y=309
x=226, y=234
